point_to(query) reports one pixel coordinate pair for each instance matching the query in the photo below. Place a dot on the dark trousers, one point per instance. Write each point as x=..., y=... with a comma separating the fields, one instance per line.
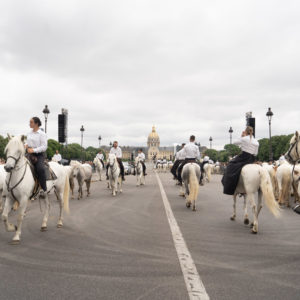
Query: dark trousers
x=144, y=168
x=39, y=167
x=186, y=161
x=102, y=163
x=232, y=173
x=120, y=165
x=175, y=167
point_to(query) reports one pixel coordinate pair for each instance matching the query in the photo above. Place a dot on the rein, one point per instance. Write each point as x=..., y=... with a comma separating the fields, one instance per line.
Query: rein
x=295, y=144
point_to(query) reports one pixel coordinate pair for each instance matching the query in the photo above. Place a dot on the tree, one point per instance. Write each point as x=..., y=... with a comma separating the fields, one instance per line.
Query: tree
x=232, y=149
x=3, y=143
x=53, y=145
x=212, y=153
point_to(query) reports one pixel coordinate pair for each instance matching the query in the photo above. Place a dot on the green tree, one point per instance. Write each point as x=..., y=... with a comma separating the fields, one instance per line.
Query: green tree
x=3, y=143
x=53, y=145
x=212, y=153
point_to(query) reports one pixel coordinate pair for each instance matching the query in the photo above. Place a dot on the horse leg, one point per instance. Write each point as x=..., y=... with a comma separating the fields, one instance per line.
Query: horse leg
x=61, y=206
x=246, y=218
x=234, y=207
x=22, y=209
x=88, y=185
x=46, y=214
x=254, y=211
x=259, y=203
x=120, y=184
x=7, y=208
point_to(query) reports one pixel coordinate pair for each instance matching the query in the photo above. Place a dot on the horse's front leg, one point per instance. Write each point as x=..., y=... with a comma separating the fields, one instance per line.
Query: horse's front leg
x=22, y=209
x=120, y=184
x=113, y=187
x=46, y=214
x=7, y=208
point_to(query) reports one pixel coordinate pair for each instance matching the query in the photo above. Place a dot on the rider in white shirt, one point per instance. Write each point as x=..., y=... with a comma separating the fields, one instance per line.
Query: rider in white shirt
x=118, y=152
x=57, y=157
x=36, y=146
x=100, y=156
x=249, y=146
x=142, y=157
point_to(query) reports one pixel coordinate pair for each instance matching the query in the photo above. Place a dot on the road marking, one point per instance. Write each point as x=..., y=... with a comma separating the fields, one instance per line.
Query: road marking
x=193, y=282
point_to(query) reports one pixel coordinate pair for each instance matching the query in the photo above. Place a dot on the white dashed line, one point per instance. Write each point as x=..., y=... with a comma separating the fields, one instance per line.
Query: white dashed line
x=194, y=284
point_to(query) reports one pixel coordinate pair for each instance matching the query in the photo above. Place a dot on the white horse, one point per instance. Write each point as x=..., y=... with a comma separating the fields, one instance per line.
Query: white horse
x=190, y=176
x=207, y=172
x=255, y=179
x=114, y=174
x=70, y=172
x=99, y=167
x=20, y=184
x=140, y=178
x=217, y=169
x=83, y=173
x=2, y=181
x=272, y=172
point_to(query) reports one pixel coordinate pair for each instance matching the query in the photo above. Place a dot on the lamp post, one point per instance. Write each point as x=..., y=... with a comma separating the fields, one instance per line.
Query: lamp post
x=270, y=114
x=99, y=139
x=82, y=130
x=46, y=112
x=210, y=140
x=230, y=133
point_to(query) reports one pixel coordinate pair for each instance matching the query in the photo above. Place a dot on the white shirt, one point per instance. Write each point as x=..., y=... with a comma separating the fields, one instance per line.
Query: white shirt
x=217, y=163
x=190, y=150
x=37, y=140
x=142, y=156
x=117, y=151
x=247, y=144
x=180, y=155
x=206, y=158
x=100, y=156
x=57, y=157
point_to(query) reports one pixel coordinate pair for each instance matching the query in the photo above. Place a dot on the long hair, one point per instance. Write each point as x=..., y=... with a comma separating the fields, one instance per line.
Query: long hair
x=249, y=131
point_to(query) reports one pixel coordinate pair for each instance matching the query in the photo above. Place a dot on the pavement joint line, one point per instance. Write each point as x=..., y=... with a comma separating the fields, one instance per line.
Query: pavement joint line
x=193, y=282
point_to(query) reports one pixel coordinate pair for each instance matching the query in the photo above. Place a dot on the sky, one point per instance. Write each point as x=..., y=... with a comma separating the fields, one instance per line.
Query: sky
x=119, y=67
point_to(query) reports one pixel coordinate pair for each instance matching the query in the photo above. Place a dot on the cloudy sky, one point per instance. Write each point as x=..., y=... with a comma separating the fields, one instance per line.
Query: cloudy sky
x=121, y=66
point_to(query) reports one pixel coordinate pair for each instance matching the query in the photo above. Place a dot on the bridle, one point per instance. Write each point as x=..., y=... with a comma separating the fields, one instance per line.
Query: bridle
x=11, y=189
x=295, y=144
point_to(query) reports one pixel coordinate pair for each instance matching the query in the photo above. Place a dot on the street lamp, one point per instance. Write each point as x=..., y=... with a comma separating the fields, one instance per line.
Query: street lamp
x=210, y=140
x=99, y=138
x=230, y=132
x=81, y=130
x=270, y=114
x=46, y=112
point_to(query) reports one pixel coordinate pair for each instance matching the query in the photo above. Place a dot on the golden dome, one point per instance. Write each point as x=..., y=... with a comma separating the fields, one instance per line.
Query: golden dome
x=153, y=134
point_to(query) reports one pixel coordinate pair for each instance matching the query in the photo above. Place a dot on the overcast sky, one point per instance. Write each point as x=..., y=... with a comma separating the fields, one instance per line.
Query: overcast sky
x=121, y=66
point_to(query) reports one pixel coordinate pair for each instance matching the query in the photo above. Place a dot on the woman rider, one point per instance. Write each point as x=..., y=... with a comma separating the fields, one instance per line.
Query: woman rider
x=36, y=147
x=249, y=146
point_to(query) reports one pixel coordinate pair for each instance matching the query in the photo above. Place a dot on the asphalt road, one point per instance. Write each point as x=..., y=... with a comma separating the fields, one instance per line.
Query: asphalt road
x=122, y=248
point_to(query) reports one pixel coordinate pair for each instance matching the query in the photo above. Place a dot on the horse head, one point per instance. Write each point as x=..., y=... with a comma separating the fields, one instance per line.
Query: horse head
x=112, y=159
x=293, y=154
x=14, y=150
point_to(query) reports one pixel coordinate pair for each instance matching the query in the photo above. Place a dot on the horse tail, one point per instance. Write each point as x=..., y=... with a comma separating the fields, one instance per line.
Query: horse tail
x=194, y=184
x=66, y=194
x=268, y=193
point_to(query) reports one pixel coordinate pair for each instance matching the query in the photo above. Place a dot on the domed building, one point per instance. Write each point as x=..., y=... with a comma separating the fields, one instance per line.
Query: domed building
x=154, y=149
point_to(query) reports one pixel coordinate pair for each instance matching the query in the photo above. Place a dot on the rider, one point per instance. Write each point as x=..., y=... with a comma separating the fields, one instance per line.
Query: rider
x=36, y=146
x=249, y=146
x=191, y=153
x=142, y=158
x=179, y=159
x=57, y=156
x=100, y=156
x=118, y=152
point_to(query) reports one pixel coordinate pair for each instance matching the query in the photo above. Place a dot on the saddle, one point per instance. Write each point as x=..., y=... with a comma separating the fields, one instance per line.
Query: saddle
x=50, y=175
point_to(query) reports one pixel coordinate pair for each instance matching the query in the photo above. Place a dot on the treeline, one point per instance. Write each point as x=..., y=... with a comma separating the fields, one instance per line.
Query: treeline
x=280, y=145
x=72, y=151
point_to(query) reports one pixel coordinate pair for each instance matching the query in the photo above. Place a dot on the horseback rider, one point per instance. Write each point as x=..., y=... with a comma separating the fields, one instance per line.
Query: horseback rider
x=57, y=157
x=100, y=156
x=179, y=159
x=191, y=153
x=249, y=146
x=118, y=153
x=142, y=158
x=36, y=147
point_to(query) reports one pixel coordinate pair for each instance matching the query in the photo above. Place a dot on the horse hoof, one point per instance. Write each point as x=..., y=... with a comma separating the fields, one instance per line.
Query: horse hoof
x=246, y=221
x=188, y=205
x=194, y=208
x=59, y=226
x=232, y=218
x=43, y=229
x=14, y=242
x=253, y=232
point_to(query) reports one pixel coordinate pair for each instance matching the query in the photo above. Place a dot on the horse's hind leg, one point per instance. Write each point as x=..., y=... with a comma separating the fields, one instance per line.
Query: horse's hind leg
x=60, y=201
x=234, y=208
x=259, y=202
x=88, y=185
x=7, y=208
x=246, y=218
x=254, y=211
x=46, y=215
